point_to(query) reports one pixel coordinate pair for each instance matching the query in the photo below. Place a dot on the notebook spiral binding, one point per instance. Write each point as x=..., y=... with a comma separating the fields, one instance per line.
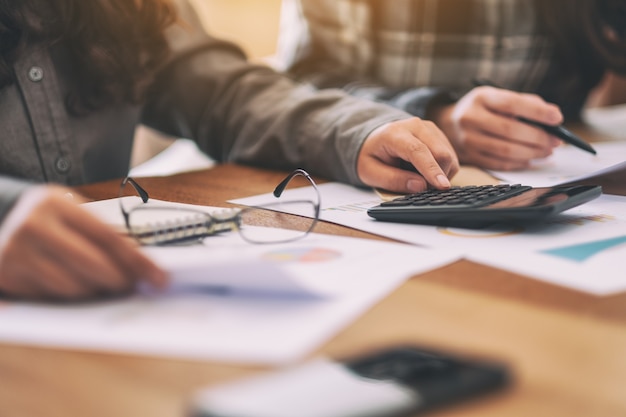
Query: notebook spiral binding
x=191, y=227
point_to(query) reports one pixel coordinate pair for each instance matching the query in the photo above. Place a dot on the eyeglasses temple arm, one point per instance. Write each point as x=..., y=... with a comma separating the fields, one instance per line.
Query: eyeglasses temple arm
x=283, y=184
x=142, y=193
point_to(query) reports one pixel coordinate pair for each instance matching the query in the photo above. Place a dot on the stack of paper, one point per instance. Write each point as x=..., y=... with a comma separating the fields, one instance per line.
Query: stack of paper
x=231, y=300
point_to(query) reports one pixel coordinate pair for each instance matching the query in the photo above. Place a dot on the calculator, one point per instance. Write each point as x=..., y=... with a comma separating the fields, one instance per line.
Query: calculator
x=483, y=206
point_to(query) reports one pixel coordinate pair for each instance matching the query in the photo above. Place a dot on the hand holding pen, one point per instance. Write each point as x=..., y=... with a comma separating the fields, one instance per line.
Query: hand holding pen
x=556, y=130
x=488, y=127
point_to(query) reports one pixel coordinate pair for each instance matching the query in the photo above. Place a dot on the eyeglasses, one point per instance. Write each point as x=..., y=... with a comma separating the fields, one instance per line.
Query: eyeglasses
x=160, y=224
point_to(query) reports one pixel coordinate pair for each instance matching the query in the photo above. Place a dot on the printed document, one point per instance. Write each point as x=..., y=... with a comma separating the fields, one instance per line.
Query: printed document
x=511, y=248
x=230, y=300
x=568, y=164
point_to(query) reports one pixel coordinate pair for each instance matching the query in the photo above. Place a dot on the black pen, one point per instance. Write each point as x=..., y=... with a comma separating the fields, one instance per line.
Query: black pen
x=558, y=131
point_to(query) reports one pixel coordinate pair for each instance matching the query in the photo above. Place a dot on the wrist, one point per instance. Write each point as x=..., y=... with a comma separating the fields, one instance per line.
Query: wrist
x=441, y=115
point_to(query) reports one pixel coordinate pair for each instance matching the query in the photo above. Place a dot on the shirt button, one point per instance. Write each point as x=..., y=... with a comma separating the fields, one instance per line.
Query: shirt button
x=62, y=165
x=35, y=74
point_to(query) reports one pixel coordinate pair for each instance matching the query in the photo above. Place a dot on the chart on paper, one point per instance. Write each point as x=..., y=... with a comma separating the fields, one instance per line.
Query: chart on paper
x=584, y=251
x=301, y=255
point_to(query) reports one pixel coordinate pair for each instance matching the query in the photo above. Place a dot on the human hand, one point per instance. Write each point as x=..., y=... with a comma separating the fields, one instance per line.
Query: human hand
x=484, y=129
x=407, y=156
x=62, y=252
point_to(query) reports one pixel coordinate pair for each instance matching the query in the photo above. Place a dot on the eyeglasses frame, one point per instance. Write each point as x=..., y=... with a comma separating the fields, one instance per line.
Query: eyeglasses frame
x=218, y=225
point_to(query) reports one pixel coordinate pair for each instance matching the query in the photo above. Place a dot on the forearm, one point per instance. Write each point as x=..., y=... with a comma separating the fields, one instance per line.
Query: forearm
x=251, y=114
x=418, y=101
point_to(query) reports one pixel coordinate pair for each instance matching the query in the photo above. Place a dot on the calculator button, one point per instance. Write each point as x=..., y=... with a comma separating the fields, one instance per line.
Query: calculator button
x=458, y=197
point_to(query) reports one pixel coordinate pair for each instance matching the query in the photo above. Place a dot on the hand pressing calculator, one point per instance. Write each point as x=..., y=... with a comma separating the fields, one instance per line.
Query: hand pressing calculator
x=484, y=205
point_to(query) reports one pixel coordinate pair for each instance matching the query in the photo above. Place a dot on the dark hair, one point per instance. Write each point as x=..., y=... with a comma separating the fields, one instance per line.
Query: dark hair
x=589, y=36
x=114, y=45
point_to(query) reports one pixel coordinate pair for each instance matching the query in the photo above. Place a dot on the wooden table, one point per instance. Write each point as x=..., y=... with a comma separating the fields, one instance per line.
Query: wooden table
x=567, y=349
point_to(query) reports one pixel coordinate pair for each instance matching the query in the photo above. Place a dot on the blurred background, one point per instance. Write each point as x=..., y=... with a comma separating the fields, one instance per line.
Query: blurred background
x=253, y=24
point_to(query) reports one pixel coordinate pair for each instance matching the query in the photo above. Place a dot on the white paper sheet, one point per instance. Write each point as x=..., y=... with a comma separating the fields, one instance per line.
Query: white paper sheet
x=599, y=219
x=181, y=156
x=337, y=279
x=593, y=266
x=569, y=163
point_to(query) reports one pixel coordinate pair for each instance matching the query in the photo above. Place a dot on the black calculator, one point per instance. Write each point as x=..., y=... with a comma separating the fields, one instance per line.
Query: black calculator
x=483, y=206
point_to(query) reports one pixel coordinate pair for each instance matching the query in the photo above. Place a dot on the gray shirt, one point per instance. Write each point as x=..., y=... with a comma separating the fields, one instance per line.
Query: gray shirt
x=208, y=92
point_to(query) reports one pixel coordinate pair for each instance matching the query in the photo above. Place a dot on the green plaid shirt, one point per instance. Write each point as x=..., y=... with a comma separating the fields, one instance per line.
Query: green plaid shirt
x=411, y=52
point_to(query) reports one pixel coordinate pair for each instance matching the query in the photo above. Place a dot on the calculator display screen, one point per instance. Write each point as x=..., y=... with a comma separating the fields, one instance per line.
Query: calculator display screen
x=533, y=198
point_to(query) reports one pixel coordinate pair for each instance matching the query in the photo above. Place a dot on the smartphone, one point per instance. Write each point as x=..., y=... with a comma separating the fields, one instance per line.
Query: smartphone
x=400, y=381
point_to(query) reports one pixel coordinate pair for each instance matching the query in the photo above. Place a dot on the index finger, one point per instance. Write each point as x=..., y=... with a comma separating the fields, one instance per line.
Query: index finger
x=430, y=152
x=529, y=106
x=120, y=250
